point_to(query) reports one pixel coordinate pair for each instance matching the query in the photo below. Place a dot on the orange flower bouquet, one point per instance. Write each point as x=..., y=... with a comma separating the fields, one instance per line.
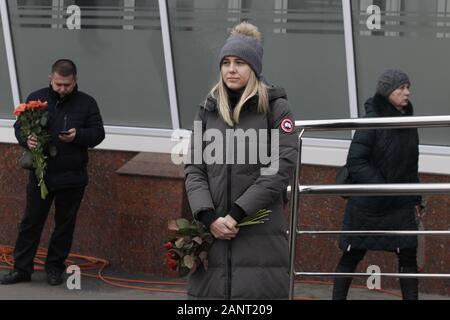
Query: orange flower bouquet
x=33, y=119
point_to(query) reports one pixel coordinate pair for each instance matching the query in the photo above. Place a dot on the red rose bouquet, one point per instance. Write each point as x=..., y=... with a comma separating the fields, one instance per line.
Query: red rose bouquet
x=188, y=248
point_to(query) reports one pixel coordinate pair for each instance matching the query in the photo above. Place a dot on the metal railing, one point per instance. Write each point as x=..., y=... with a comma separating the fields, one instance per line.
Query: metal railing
x=299, y=190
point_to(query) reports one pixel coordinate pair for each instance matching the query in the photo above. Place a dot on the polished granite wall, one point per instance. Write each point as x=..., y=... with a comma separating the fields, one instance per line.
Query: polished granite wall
x=123, y=218
x=321, y=253
x=124, y=214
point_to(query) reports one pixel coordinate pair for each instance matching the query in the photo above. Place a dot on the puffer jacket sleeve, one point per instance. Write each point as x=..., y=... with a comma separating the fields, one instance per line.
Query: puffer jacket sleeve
x=197, y=185
x=359, y=160
x=93, y=132
x=268, y=188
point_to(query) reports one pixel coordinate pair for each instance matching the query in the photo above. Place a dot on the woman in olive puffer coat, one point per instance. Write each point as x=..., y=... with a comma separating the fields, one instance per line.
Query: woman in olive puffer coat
x=249, y=262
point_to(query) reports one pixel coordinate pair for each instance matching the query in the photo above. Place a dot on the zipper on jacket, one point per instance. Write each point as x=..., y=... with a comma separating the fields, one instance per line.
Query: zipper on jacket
x=60, y=116
x=228, y=296
x=65, y=123
x=229, y=271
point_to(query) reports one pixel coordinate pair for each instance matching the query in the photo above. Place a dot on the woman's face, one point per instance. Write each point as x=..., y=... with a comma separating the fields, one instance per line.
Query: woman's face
x=235, y=72
x=400, y=97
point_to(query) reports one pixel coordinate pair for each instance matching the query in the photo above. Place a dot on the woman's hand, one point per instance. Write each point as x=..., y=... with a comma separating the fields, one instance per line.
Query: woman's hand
x=224, y=228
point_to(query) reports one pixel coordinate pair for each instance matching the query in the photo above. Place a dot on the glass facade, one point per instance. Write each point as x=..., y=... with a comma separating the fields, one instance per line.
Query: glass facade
x=414, y=37
x=118, y=47
x=6, y=100
x=304, y=52
x=118, y=50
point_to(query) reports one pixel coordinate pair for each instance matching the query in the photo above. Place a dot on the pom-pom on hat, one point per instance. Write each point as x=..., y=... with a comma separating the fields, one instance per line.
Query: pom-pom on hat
x=245, y=43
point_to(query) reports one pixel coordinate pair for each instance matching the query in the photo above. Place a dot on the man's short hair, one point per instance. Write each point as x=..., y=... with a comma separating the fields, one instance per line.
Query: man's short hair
x=65, y=68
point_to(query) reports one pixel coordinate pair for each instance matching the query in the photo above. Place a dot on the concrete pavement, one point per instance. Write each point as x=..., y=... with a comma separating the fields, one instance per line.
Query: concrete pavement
x=94, y=289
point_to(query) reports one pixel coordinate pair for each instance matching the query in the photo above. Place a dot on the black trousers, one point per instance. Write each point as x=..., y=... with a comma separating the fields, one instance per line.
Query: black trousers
x=67, y=203
x=407, y=261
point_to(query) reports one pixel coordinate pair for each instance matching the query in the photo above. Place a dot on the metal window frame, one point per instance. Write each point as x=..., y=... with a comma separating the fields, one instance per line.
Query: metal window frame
x=350, y=58
x=168, y=57
x=4, y=11
x=171, y=84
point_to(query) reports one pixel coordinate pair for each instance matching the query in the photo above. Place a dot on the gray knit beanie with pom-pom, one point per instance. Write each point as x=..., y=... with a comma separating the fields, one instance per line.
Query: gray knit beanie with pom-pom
x=245, y=43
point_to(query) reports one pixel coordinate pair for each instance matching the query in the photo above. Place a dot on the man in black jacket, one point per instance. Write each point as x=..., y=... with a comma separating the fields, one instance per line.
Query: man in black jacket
x=75, y=124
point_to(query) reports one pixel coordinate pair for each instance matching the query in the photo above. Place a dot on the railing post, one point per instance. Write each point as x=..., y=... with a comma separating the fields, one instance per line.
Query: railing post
x=406, y=189
x=294, y=216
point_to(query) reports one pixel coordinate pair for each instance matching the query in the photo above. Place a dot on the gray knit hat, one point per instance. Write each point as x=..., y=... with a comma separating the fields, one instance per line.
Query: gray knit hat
x=247, y=48
x=391, y=80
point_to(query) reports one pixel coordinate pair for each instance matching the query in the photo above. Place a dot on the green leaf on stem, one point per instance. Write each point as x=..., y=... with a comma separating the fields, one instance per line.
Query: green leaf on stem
x=180, y=242
x=189, y=261
x=197, y=240
x=44, y=121
x=183, y=223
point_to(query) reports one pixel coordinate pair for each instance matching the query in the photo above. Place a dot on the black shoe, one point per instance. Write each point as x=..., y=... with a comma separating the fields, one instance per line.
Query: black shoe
x=15, y=276
x=409, y=286
x=54, y=278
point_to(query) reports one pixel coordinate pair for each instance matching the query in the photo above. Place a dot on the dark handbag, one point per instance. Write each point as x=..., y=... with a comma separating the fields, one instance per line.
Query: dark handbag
x=343, y=177
x=26, y=160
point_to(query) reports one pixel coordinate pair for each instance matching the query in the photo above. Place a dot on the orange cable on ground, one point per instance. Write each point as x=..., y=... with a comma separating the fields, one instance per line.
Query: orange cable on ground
x=91, y=264
x=99, y=264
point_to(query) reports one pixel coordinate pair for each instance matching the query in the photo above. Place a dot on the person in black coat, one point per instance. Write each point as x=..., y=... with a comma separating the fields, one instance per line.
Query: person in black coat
x=74, y=124
x=379, y=157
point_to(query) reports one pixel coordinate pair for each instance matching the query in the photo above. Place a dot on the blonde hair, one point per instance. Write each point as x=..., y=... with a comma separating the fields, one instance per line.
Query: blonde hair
x=254, y=87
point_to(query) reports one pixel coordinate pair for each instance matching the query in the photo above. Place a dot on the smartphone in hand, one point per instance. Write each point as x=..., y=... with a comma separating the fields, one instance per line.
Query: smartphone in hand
x=64, y=133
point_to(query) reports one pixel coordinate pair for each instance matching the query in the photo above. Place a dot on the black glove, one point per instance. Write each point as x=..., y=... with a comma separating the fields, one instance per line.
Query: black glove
x=237, y=213
x=207, y=217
